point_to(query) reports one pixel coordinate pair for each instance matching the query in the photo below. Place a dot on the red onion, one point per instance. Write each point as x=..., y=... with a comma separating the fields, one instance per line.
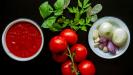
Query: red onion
x=103, y=41
x=111, y=47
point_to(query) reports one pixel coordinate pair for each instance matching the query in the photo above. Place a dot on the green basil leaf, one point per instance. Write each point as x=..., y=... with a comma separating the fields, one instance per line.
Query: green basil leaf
x=87, y=9
x=88, y=24
x=87, y=5
x=66, y=3
x=75, y=27
x=63, y=17
x=45, y=9
x=79, y=4
x=81, y=11
x=66, y=22
x=49, y=22
x=96, y=9
x=57, y=26
x=77, y=14
x=85, y=2
x=81, y=21
x=58, y=12
x=84, y=28
x=59, y=4
x=77, y=17
x=60, y=20
x=53, y=29
x=94, y=18
x=70, y=10
x=88, y=19
x=64, y=25
x=75, y=10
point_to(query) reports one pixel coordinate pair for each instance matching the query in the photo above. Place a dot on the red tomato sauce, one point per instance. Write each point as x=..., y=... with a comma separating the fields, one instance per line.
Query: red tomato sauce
x=23, y=39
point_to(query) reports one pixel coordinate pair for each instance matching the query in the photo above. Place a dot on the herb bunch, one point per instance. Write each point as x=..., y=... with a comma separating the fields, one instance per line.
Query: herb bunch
x=55, y=20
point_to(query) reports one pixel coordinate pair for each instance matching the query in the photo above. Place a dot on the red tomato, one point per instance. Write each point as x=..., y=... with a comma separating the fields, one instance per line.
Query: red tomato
x=70, y=36
x=86, y=67
x=58, y=44
x=79, y=51
x=66, y=68
x=60, y=58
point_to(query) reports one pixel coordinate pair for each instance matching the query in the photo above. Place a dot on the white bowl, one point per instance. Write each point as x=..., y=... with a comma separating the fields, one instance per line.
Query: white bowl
x=117, y=22
x=4, y=40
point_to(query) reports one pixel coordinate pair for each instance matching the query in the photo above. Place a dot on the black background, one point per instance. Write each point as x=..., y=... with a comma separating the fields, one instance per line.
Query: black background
x=43, y=63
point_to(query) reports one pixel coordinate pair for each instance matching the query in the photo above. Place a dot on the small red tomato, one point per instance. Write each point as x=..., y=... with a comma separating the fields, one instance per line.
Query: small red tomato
x=70, y=36
x=58, y=44
x=60, y=57
x=86, y=67
x=66, y=68
x=80, y=52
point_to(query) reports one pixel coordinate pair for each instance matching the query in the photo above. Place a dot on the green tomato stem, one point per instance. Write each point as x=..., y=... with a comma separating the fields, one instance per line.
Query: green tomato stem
x=72, y=60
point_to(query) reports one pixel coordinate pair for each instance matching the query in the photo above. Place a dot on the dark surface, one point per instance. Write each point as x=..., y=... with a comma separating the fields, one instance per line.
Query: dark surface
x=43, y=63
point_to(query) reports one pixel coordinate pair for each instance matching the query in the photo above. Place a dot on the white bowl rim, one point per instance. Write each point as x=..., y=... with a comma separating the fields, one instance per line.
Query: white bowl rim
x=4, y=40
x=126, y=46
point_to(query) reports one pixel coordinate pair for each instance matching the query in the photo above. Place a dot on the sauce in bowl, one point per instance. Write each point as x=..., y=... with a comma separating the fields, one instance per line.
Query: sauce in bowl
x=23, y=40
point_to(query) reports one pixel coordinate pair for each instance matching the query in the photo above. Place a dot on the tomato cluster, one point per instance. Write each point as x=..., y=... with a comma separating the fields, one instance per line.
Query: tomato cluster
x=73, y=59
